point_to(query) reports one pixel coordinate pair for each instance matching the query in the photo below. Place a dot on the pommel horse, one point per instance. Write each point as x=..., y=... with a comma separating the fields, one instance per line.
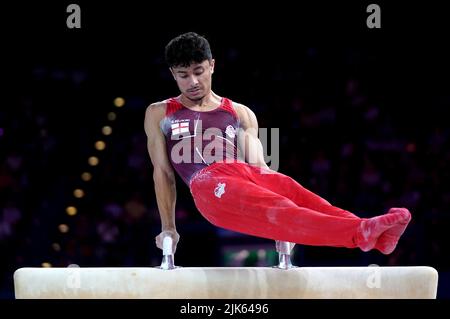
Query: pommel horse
x=283, y=281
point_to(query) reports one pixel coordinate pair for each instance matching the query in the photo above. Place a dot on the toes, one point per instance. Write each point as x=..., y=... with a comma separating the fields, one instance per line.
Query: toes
x=403, y=211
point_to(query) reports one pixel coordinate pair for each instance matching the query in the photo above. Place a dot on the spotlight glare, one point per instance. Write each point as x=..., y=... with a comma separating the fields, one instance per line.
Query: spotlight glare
x=78, y=193
x=93, y=160
x=86, y=176
x=100, y=145
x=112, y=116
x=106, y=130
x=119, y=102
x=63, y=228
x=71, y=210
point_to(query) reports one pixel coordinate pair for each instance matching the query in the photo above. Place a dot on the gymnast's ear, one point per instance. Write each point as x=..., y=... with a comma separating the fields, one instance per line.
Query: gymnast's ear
x=211, y=64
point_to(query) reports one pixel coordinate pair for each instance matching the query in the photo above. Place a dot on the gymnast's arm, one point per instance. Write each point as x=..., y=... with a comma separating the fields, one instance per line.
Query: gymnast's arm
x=248, y=140
x=163, y=174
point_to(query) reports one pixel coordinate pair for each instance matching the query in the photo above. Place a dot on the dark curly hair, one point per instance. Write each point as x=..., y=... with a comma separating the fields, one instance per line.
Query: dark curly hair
x=186, y=49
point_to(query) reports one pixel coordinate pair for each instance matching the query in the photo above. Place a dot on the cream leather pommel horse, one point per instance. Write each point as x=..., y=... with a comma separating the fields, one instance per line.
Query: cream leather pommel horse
x=282, y=281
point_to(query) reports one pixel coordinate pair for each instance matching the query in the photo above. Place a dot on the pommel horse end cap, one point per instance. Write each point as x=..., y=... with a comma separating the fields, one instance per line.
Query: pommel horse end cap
x=371, y=282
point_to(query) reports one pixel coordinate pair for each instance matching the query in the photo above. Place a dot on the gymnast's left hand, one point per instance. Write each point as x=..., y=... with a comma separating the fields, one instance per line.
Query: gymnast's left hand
x=171, y=233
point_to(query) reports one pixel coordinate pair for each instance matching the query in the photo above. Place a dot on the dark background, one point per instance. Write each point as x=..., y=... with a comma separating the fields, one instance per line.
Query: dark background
x=362, y=115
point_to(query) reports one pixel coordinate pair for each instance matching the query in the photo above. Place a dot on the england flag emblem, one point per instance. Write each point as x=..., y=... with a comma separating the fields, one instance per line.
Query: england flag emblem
x=180, y=127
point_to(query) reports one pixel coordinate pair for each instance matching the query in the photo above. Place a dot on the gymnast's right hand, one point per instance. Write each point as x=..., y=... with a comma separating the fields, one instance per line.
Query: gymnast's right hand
x=173, y=234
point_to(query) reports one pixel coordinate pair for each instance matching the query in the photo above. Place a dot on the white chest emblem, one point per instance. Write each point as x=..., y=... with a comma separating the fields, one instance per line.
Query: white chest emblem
x=180, y=127
x=230, y=131
x=219, y=190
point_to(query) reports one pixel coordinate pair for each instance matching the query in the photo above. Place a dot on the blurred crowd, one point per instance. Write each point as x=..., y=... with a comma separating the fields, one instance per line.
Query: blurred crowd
x=347, y=132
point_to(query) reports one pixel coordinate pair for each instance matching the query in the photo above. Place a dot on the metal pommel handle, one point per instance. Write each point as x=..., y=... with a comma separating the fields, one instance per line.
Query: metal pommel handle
x=168, y=261
x=284, y=255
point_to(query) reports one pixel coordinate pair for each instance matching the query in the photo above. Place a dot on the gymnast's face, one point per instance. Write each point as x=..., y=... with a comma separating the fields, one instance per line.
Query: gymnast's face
x=194, y=81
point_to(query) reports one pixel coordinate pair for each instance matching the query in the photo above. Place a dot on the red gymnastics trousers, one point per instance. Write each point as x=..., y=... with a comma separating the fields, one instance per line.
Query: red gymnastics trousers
x=264, y=203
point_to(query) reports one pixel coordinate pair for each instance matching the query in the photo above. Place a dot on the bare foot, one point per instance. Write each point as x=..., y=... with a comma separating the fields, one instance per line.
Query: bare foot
x=388, y=240
x=372, y=228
